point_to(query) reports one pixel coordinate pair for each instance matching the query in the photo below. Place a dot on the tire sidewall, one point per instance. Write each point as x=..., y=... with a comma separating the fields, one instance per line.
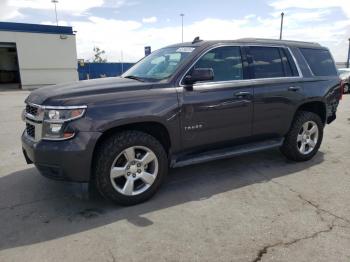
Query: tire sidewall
x=121, y=142
x=290, y=147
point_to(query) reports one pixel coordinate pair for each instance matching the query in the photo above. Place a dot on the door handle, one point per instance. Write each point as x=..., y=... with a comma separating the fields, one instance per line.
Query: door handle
x=294, y=88
x=242, y=94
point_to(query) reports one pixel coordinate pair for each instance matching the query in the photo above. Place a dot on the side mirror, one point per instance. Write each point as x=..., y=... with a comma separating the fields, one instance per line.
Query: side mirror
x=198, y=75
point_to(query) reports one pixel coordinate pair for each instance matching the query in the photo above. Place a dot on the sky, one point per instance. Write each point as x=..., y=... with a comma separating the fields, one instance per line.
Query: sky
x=123, y=27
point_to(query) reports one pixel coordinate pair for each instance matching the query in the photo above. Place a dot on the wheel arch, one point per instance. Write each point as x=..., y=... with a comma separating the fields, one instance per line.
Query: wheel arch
x=317, y=106
x=153, y=128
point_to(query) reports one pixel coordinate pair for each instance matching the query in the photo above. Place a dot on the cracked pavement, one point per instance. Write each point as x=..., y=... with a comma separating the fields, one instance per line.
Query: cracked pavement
x=257, y=207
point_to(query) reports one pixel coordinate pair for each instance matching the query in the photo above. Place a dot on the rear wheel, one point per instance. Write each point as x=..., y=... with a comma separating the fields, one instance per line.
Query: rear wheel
x=130, y=167
x=304, y=138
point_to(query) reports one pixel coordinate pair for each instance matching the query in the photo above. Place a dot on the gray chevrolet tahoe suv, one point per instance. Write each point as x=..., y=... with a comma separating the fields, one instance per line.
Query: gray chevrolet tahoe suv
x=184, y=104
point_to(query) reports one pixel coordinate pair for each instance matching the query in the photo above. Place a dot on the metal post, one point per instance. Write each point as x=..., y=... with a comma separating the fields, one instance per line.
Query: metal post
x=348, y=61
x=282, y=15
x=182, y=26
x=122, y=60
x=55, y=2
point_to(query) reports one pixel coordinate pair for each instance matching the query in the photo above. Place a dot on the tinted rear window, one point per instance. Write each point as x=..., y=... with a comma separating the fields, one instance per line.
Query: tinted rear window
x=267, y=62
x=320, y=61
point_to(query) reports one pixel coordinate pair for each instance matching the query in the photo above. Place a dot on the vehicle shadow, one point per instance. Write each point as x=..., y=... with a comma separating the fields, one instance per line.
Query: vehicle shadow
x=34, y=209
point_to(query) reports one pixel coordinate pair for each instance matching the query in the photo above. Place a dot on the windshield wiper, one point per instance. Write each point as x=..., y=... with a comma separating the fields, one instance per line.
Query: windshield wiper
x=135, y=78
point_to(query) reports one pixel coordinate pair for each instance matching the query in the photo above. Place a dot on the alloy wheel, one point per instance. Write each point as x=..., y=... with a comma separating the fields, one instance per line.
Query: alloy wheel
x=134, y=170
x=307, y=137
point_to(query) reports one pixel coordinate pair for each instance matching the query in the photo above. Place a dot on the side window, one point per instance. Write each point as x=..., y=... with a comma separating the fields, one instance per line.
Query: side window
x=288, y=61
x=286, y=66
x=267, y=62
x=226, y=63
x=320, y=61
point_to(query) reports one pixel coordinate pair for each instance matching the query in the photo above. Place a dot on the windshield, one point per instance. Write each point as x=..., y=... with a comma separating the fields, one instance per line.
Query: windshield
x=159, y=65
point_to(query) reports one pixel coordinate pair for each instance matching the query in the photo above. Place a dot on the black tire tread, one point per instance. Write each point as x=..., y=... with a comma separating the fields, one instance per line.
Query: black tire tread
x=108, y=149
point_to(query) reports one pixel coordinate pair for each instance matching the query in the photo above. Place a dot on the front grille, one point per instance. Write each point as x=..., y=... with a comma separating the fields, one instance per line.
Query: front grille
x=31, y=110
x=30, y=130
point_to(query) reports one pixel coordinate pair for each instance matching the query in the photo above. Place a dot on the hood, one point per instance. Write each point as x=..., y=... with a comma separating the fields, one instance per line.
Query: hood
x=63, y=93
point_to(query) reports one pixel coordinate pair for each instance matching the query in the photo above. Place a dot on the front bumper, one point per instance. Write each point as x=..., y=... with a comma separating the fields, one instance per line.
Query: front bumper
x=68, y=160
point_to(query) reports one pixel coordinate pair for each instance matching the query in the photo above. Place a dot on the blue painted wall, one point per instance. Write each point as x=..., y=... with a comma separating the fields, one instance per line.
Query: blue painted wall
x=98, y=70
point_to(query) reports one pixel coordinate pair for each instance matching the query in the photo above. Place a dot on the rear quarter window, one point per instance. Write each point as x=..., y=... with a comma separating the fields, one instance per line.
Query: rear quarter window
x=320, y=61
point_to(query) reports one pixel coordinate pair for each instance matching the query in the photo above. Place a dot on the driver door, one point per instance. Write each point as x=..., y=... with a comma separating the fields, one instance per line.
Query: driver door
x=220, y=110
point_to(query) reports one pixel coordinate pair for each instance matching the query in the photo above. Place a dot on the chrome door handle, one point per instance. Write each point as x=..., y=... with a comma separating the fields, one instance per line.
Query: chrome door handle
x=294, y=88
x=242, y=94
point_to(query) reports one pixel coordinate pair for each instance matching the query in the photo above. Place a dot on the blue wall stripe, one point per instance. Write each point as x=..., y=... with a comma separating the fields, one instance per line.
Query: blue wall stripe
x=98, y=70
x=36, y=28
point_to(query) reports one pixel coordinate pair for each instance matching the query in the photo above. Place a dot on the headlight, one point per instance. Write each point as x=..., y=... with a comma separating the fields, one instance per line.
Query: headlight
x=62, y=115
x=55, y=122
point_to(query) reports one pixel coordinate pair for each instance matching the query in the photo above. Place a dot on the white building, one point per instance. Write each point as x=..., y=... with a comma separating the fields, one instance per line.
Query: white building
x=33, y=56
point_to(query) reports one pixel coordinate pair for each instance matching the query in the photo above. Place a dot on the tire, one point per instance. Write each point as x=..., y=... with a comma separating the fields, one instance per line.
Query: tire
x=293, y=147
x=129, y=186
x=346, y=89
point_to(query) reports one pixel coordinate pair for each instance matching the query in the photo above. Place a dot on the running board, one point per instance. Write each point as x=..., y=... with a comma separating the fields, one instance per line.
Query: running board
x=227, y=152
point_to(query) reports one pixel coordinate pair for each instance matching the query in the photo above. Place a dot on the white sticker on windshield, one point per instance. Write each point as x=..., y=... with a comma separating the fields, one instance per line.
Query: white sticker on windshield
x=185, y=49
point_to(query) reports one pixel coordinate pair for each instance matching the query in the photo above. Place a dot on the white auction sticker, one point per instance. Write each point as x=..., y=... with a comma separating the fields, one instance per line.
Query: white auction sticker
x=185, y=49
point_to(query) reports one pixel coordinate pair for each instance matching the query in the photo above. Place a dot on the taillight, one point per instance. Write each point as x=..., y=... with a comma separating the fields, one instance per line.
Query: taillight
x=342, y=85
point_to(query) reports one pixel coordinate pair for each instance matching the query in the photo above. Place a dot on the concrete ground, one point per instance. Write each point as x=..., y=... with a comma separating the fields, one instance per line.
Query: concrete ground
x=258, y=207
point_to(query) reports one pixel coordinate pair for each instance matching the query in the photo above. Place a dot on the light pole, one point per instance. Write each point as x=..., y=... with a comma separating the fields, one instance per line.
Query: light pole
x=348, y=61
x=182, y=26
x=55, y=3
x=122, y=60
x=282, y=15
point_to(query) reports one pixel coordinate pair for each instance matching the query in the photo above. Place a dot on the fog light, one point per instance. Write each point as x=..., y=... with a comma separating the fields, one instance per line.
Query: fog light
x=55, y=128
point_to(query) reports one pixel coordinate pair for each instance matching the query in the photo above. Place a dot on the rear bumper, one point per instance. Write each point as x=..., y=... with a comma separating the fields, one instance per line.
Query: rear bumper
x=68, y=160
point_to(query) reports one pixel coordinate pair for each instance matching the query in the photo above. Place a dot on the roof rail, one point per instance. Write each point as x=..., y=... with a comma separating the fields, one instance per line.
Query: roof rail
x=277, y=40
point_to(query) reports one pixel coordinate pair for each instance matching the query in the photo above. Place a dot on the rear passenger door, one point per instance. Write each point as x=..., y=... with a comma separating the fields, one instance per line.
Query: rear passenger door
x=275, y=80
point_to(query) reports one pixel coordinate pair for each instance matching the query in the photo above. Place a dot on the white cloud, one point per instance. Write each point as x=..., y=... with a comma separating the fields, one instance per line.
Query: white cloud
x=7, y=11
x=327, y=31
x=109, y=34
x=310, y=16
x=312, y=4
x=250, y=16
x=119, y=3
x=131, y=37
x=149, y=20
x=75, y=7
x=11, y=8
x=311, y=20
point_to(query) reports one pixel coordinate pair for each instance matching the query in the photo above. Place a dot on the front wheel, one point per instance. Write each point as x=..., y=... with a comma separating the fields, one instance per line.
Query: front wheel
x=304, y=138
x=346, y=88
x=129, y=167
